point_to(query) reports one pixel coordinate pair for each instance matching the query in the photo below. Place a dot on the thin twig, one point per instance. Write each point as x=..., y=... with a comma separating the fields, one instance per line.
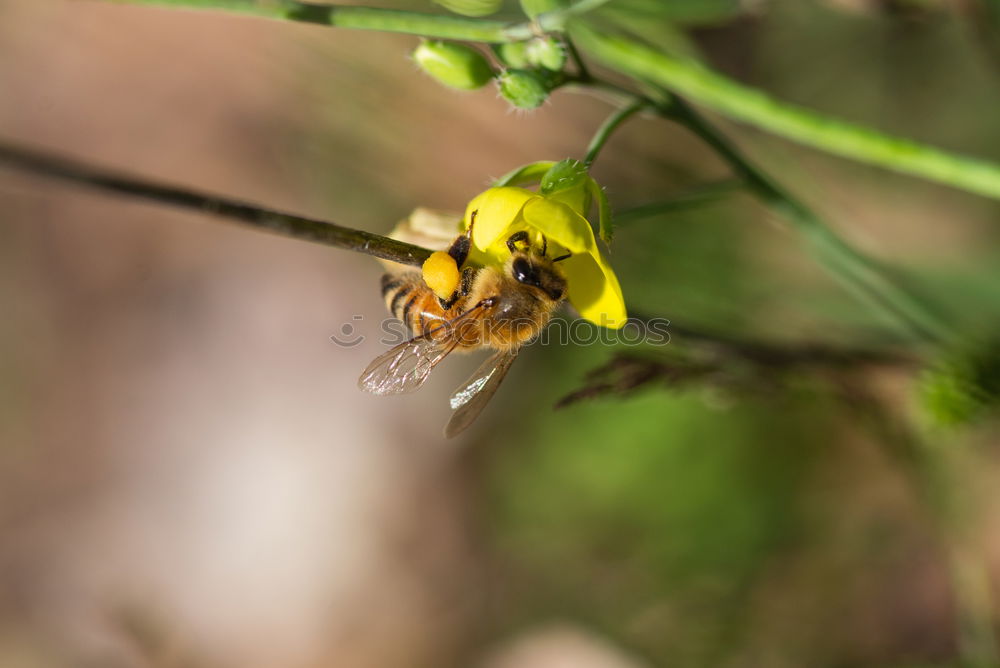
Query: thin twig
x=859, y=272
x=286, y=224
x=697, y=196
x=582, y=71
x=700, y=356
x=789, y=353
x=604, y=132
x=740, y=366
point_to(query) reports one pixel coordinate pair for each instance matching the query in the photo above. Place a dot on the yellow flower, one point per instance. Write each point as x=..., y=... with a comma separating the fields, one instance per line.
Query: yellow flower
x=593, y=288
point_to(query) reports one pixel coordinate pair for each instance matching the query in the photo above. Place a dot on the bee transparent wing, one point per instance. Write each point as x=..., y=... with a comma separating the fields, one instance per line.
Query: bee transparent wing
x=470, y=399
x=404, y=368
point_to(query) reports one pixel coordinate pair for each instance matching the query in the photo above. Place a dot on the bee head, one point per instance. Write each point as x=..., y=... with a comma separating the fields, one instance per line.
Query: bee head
x=538, y=272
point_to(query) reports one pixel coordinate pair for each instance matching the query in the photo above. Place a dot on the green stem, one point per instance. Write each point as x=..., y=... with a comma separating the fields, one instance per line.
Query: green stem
x=752, y=106
x=443, y=26
x=684, y=200
x=582, y=71
x=860, y=273
x=413, y=23
x=604, y=132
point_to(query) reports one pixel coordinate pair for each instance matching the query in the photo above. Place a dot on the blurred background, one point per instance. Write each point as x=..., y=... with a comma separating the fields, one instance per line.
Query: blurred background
x=189, y=475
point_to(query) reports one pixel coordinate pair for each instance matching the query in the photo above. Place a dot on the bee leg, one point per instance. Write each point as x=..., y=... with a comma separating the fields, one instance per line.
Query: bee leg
x=468, y=275
x=460, y=247
x=513, y=240
x=459, y=250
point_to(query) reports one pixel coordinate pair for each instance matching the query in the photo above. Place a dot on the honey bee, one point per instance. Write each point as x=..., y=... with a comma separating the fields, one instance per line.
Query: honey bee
x=497, y=308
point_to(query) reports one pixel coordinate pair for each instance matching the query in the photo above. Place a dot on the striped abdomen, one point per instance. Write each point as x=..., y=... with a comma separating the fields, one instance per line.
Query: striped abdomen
x=408, y=298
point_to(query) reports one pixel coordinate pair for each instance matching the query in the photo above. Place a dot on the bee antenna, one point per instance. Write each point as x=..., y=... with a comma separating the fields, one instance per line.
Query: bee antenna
x=562, y=257
x=545, y=245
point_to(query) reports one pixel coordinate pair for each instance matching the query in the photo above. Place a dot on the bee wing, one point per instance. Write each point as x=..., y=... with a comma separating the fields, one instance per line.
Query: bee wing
x=470, y=399
x=404, y=368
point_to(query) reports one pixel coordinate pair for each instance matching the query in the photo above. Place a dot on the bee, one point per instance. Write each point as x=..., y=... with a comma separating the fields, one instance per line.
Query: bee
x=495, y=308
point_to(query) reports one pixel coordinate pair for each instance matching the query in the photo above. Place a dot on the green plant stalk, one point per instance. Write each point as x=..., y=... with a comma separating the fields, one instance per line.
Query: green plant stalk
x=358, y=18
x=697, y=196
x=443, y=26
x=861, y=274
x=754, y=107
x=604, y=132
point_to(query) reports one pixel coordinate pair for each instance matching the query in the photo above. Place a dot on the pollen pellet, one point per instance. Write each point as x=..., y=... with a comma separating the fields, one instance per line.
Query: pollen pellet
x=441, y=274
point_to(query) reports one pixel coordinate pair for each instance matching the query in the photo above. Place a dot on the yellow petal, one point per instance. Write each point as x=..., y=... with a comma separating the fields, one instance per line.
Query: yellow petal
x=593, y=290
x=497, y=209
x=560, y=223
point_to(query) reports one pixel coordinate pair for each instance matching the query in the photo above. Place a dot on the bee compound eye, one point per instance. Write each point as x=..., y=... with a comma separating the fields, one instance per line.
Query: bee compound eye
x=521, y=270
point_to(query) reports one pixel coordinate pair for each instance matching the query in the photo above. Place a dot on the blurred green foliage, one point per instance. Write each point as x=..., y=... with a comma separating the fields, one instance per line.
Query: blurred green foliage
x=661, y=505
x=964, y=385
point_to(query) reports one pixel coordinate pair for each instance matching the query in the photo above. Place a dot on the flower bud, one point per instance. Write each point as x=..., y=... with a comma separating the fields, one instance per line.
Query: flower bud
x=454, y=65
x=535, y=7
x=546, y=52
x=513, y=54
x=564, y=174
x=522, y=88
x=471, y=7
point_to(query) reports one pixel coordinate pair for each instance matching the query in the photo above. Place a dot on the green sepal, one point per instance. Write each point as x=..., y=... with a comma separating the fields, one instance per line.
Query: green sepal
x=605, y=220
x=546, y=52
x=530, y=173
x=564, y=174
